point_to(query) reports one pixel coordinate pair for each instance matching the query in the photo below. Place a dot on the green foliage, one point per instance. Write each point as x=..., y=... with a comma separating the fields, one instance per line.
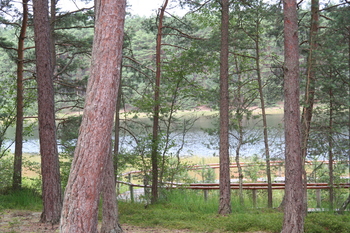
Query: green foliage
x=67, y=134
x=327, y=222
x=252, y=171
x=206, y=173
x=6, y=171
x=7, y=110
x=187, y=209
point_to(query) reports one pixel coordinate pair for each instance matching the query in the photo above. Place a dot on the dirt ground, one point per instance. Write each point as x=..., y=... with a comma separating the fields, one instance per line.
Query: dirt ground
x=18, y=221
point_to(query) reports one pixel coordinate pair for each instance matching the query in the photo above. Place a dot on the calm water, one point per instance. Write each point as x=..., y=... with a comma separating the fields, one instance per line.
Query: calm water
x=199, y=143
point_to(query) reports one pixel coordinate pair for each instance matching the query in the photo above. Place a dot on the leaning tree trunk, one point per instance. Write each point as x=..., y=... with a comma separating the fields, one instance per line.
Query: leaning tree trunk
x=17, y=168
x=116, y=129
x=237, y=159
x=110, y=221
x=155, y=139
x=330, y=149
x=225, y=186
x=51, y=183
x=80, y=207
x=344, y=205
x=309, y=89
x=294, y=208
x=264, y=120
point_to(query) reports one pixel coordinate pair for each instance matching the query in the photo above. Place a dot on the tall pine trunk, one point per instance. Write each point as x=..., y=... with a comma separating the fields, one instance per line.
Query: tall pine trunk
x=294, y=205
x=155, y=138
x=80, y=207
x=17, y=170
x=264, y=119
x=330, y=147
x=51, y=183
x=225, y=186
x=309, y=89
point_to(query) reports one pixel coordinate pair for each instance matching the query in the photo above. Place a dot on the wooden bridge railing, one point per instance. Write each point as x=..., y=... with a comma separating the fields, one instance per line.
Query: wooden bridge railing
x=246, y=186
x=234, y=185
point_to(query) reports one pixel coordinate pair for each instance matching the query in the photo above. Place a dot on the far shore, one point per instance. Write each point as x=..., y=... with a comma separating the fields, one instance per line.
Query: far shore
x=203, y=109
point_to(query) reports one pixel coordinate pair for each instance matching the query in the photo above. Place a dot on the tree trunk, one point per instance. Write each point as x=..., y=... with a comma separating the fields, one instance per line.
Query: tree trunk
x=293, y=211
x=264, y=120
x=344, y=205
x=116, y=128
x=17, y=169
x=330, y=149
x=239, y=167
x=225, y=187
x=51, y=184
x=154, y=155
x=110, y=222
x=52, y=33
x=309, y=89
x=80, y=207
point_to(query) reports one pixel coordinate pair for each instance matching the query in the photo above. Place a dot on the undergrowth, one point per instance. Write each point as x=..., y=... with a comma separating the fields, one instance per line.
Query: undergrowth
x=22, y=199
x=187, y=209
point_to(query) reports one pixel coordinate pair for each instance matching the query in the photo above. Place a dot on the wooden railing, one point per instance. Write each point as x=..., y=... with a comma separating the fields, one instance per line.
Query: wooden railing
x=234, y=185
x=205, y=187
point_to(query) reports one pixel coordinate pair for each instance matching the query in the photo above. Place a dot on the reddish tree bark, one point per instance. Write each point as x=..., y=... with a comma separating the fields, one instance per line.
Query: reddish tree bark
x=264, y=117
x=80, y=207
x=51, y=183
x=17, y=168
x=309, y=88
x=293, y=211
x=110, y=221
x=154, y=155
x=225, y=187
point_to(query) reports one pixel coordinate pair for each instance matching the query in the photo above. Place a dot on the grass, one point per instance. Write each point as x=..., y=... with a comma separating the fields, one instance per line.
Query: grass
x=171, y=217
x=187, y=209
x=23, y=199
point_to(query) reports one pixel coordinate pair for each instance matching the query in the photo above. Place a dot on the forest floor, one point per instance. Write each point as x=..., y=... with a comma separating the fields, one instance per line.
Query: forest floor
x=24, y=221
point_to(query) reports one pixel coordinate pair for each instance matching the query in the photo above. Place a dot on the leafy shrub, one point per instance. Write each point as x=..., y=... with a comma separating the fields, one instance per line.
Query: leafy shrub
x=6, y=171
x=327, y=222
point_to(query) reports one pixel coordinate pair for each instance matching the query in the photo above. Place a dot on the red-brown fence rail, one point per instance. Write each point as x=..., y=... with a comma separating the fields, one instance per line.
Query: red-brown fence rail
x=263, y=186
x=234, y=185
x=249, y=186
x=205, y=187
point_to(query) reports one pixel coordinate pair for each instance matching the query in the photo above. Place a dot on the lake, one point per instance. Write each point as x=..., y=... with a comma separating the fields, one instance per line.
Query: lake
x=198, y=142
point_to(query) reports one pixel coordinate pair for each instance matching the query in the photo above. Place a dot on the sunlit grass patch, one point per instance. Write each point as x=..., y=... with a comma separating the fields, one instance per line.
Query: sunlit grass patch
x=22, y=199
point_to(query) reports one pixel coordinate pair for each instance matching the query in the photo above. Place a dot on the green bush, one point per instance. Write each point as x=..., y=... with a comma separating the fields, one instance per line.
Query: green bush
x=327, y=222
x=6, y=171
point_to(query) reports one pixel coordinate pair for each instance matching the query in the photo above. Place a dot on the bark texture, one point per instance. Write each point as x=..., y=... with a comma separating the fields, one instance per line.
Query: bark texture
x=154, y=155
x=51, y=183
x=264, y=120
x=17, y=168
x=110, y=221
x=306, y=116
x=293, y=211
x=80, y=207
x=225, y=187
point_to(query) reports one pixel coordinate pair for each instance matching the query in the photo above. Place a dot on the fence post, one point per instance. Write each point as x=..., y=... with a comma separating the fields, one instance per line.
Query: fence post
x=131, y=188
x=254, y=197
x=205, y=194
x=318, y=198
